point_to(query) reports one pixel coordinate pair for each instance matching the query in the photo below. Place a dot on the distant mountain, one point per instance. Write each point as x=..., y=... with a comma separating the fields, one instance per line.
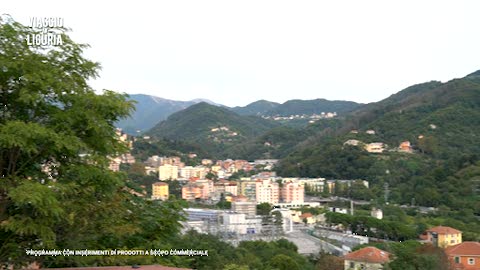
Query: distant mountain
x=198, y=100
x=213, y=127
x=296, y=107
x=260, y=107
x=150, y=110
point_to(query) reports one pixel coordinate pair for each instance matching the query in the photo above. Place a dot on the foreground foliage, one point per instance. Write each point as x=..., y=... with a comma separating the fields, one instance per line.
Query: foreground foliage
x=56, y=137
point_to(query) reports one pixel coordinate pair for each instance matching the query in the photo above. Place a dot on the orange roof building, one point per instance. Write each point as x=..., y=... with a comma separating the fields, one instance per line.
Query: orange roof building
x=442, y=236
x=367, y=258
x=464, y=256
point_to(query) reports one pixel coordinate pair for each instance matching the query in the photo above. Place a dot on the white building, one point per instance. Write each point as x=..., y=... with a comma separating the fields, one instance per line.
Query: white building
x=168, y=172
x=377, y=213
x=267, y=191
x=187, y=172
x=376, y=147
x=239, y=224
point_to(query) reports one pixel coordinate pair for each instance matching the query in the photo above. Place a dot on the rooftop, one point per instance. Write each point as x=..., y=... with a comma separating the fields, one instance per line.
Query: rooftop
x=306, y=215
x=160, y=184
x=369, y=255
x=444, y=230
x=465, y=248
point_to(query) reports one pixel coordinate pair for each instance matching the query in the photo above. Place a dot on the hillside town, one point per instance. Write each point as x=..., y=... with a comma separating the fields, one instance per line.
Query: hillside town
x=292, y=214
x=312, y=118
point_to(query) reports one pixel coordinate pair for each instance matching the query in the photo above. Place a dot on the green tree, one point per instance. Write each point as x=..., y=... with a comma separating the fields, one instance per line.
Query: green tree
x=222, y=203
x=329, y=262
x=56, y=137
x=211, y=176
x=283, y=262
x=233, y=266
x=264, y=209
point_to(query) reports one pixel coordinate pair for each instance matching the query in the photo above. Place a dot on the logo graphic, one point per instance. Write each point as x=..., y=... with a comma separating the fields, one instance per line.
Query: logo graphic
x=47, y=31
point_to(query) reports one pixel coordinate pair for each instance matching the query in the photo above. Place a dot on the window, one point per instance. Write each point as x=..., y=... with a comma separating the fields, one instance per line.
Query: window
x=457, y=259
x=452, y=241
x=352, y=265
x=471, y=261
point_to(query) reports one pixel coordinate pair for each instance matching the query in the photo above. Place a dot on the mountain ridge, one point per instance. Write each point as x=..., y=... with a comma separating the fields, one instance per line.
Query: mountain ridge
x=215, y=128
x=296, y=107
x=151, y=110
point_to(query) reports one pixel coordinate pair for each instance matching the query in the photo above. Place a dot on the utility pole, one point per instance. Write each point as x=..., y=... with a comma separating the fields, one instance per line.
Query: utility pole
x=386, y=192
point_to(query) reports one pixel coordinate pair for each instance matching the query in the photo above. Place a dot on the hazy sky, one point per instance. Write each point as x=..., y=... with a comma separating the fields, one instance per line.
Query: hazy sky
x=236, y=52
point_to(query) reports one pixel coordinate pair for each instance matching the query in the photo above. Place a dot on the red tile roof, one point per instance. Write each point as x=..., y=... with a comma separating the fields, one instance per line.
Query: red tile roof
x=140, y=267
x=160, y=184
x=465, y=248
x=369, y=255
x=306, y=215
x=423, y=237
x=444, y=230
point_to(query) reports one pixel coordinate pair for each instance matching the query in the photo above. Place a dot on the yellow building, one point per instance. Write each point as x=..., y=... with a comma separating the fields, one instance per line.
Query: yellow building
x=442, y=236
x=160, y=191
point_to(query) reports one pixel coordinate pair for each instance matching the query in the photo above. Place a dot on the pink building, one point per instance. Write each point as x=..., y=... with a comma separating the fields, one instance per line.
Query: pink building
x=232, y=188
x=199, y=189
x=192, y=191
x=207, y=188
x=292, y=193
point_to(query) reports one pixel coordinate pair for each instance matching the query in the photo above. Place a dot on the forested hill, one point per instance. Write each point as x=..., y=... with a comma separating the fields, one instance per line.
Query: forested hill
x=213, y=127
x=296, y=107
x=441, y=118
x=441, y=121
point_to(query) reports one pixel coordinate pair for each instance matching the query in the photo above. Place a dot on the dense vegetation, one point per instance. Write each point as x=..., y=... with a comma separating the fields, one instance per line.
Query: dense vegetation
x=280, y=254
x=142, y=148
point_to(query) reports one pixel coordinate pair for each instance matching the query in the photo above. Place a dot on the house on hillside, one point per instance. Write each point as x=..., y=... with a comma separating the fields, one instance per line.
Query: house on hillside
x=376, y=147
x=370, y=258
x=376, y=213
x=442, y=236
x=352, y=142
x=405, y=147
x=464, y=256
